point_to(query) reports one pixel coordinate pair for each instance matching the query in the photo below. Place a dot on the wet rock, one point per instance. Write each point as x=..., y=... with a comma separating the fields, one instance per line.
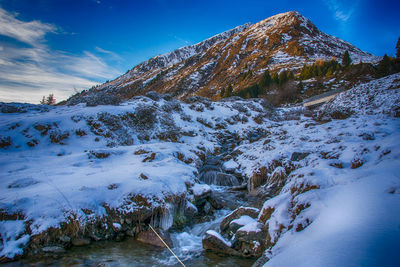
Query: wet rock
x=190, y=210
x=79, y=242
x=207, y=208
x=236, y=214
x=215, y=242
x=201, y=192
x=215, y=202
x=53, y=249
x=149, y=237
x=297, y=156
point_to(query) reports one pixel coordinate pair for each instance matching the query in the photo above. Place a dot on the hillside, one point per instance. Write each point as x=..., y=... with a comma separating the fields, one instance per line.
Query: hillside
x=237, y=57
x=72, y=175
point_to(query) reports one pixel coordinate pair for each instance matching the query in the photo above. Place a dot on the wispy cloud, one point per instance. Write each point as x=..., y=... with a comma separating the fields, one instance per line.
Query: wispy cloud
x=342, y=10
x=28, y=72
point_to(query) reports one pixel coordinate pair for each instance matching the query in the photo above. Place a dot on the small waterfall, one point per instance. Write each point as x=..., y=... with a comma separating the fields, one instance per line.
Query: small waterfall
x=211, y=173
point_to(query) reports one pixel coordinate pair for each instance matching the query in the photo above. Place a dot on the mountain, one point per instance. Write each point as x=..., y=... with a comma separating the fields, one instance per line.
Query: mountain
x=286, y=40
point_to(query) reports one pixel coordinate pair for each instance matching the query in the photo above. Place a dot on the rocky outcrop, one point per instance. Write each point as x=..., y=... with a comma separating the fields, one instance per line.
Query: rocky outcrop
x=149, y=237
x=215, y=242
x=236, y=214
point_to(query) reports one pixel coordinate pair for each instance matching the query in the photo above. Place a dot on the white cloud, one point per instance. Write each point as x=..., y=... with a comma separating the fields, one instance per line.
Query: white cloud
x=28, y=32
x=28, y=73
x=342, y=10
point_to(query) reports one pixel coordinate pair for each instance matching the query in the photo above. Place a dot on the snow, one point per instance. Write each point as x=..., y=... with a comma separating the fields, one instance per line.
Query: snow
x=13, y=239
x=200, y=189
x=253, y=226
x=117, y=226
x=357, y=226
x=230, y=165
x=243, y=220
x=49, y=182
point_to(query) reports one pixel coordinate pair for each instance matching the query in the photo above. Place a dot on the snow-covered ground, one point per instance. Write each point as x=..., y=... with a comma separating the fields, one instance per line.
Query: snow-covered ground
x=338, y=206
x=77, y=161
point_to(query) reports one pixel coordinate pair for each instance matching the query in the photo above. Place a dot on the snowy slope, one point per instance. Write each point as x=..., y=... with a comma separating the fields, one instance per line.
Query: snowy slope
x=338, y=181
x=339, y=205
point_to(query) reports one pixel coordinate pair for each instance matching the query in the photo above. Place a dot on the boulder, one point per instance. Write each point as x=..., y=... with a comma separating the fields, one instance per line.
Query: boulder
x=201, y=192
x=215, y=242
x=236, y=214
x=149, y=237
x=238, y=223
x=251, y=232
x=251, y=239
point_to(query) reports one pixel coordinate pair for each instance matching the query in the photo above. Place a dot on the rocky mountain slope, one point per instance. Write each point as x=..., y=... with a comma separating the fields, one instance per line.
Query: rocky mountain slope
x=78, y=174
x=286, y=40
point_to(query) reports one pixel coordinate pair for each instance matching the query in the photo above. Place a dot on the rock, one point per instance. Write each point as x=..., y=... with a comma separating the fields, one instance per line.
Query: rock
x=215, y=242
x=236, y=214
x=201, y=192
x=53, y=249
x=238, y=223
x=251, y=239
x=190, y=210
x=296, y=156
x=261, y=261
x=149, y=237
x=79, y=242
x=225, y=179
x=250, y=232
x=207, y=208
x=65, y=239
x=215, y=202
x=357, y=163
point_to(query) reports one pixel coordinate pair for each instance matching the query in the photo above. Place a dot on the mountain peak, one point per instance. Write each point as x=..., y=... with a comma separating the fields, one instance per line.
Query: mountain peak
x=283, y=41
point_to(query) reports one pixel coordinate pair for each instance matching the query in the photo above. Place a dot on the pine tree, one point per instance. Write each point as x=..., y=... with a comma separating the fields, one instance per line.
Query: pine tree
x=51, y=100
x=398, y=49
x=346, y=61
x=229, y=91
x=383, y=68
x=283, y=78
x=43, y=101
x=266, y=79
x=222, y=93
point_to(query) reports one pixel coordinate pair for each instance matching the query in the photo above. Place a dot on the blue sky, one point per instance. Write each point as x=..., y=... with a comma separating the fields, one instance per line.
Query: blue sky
x=64, y=46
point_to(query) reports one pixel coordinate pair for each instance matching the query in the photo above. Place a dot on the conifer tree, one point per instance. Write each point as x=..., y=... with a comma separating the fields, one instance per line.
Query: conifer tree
x=229, y=91
x=51, y=100
x=222, y=93
x=398, y=49
x=43, y=101
x=346, y=61
x=383, y=68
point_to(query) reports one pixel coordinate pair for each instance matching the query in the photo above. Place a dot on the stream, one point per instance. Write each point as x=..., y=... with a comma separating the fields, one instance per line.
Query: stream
x=129, y=252
x=187, y=242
